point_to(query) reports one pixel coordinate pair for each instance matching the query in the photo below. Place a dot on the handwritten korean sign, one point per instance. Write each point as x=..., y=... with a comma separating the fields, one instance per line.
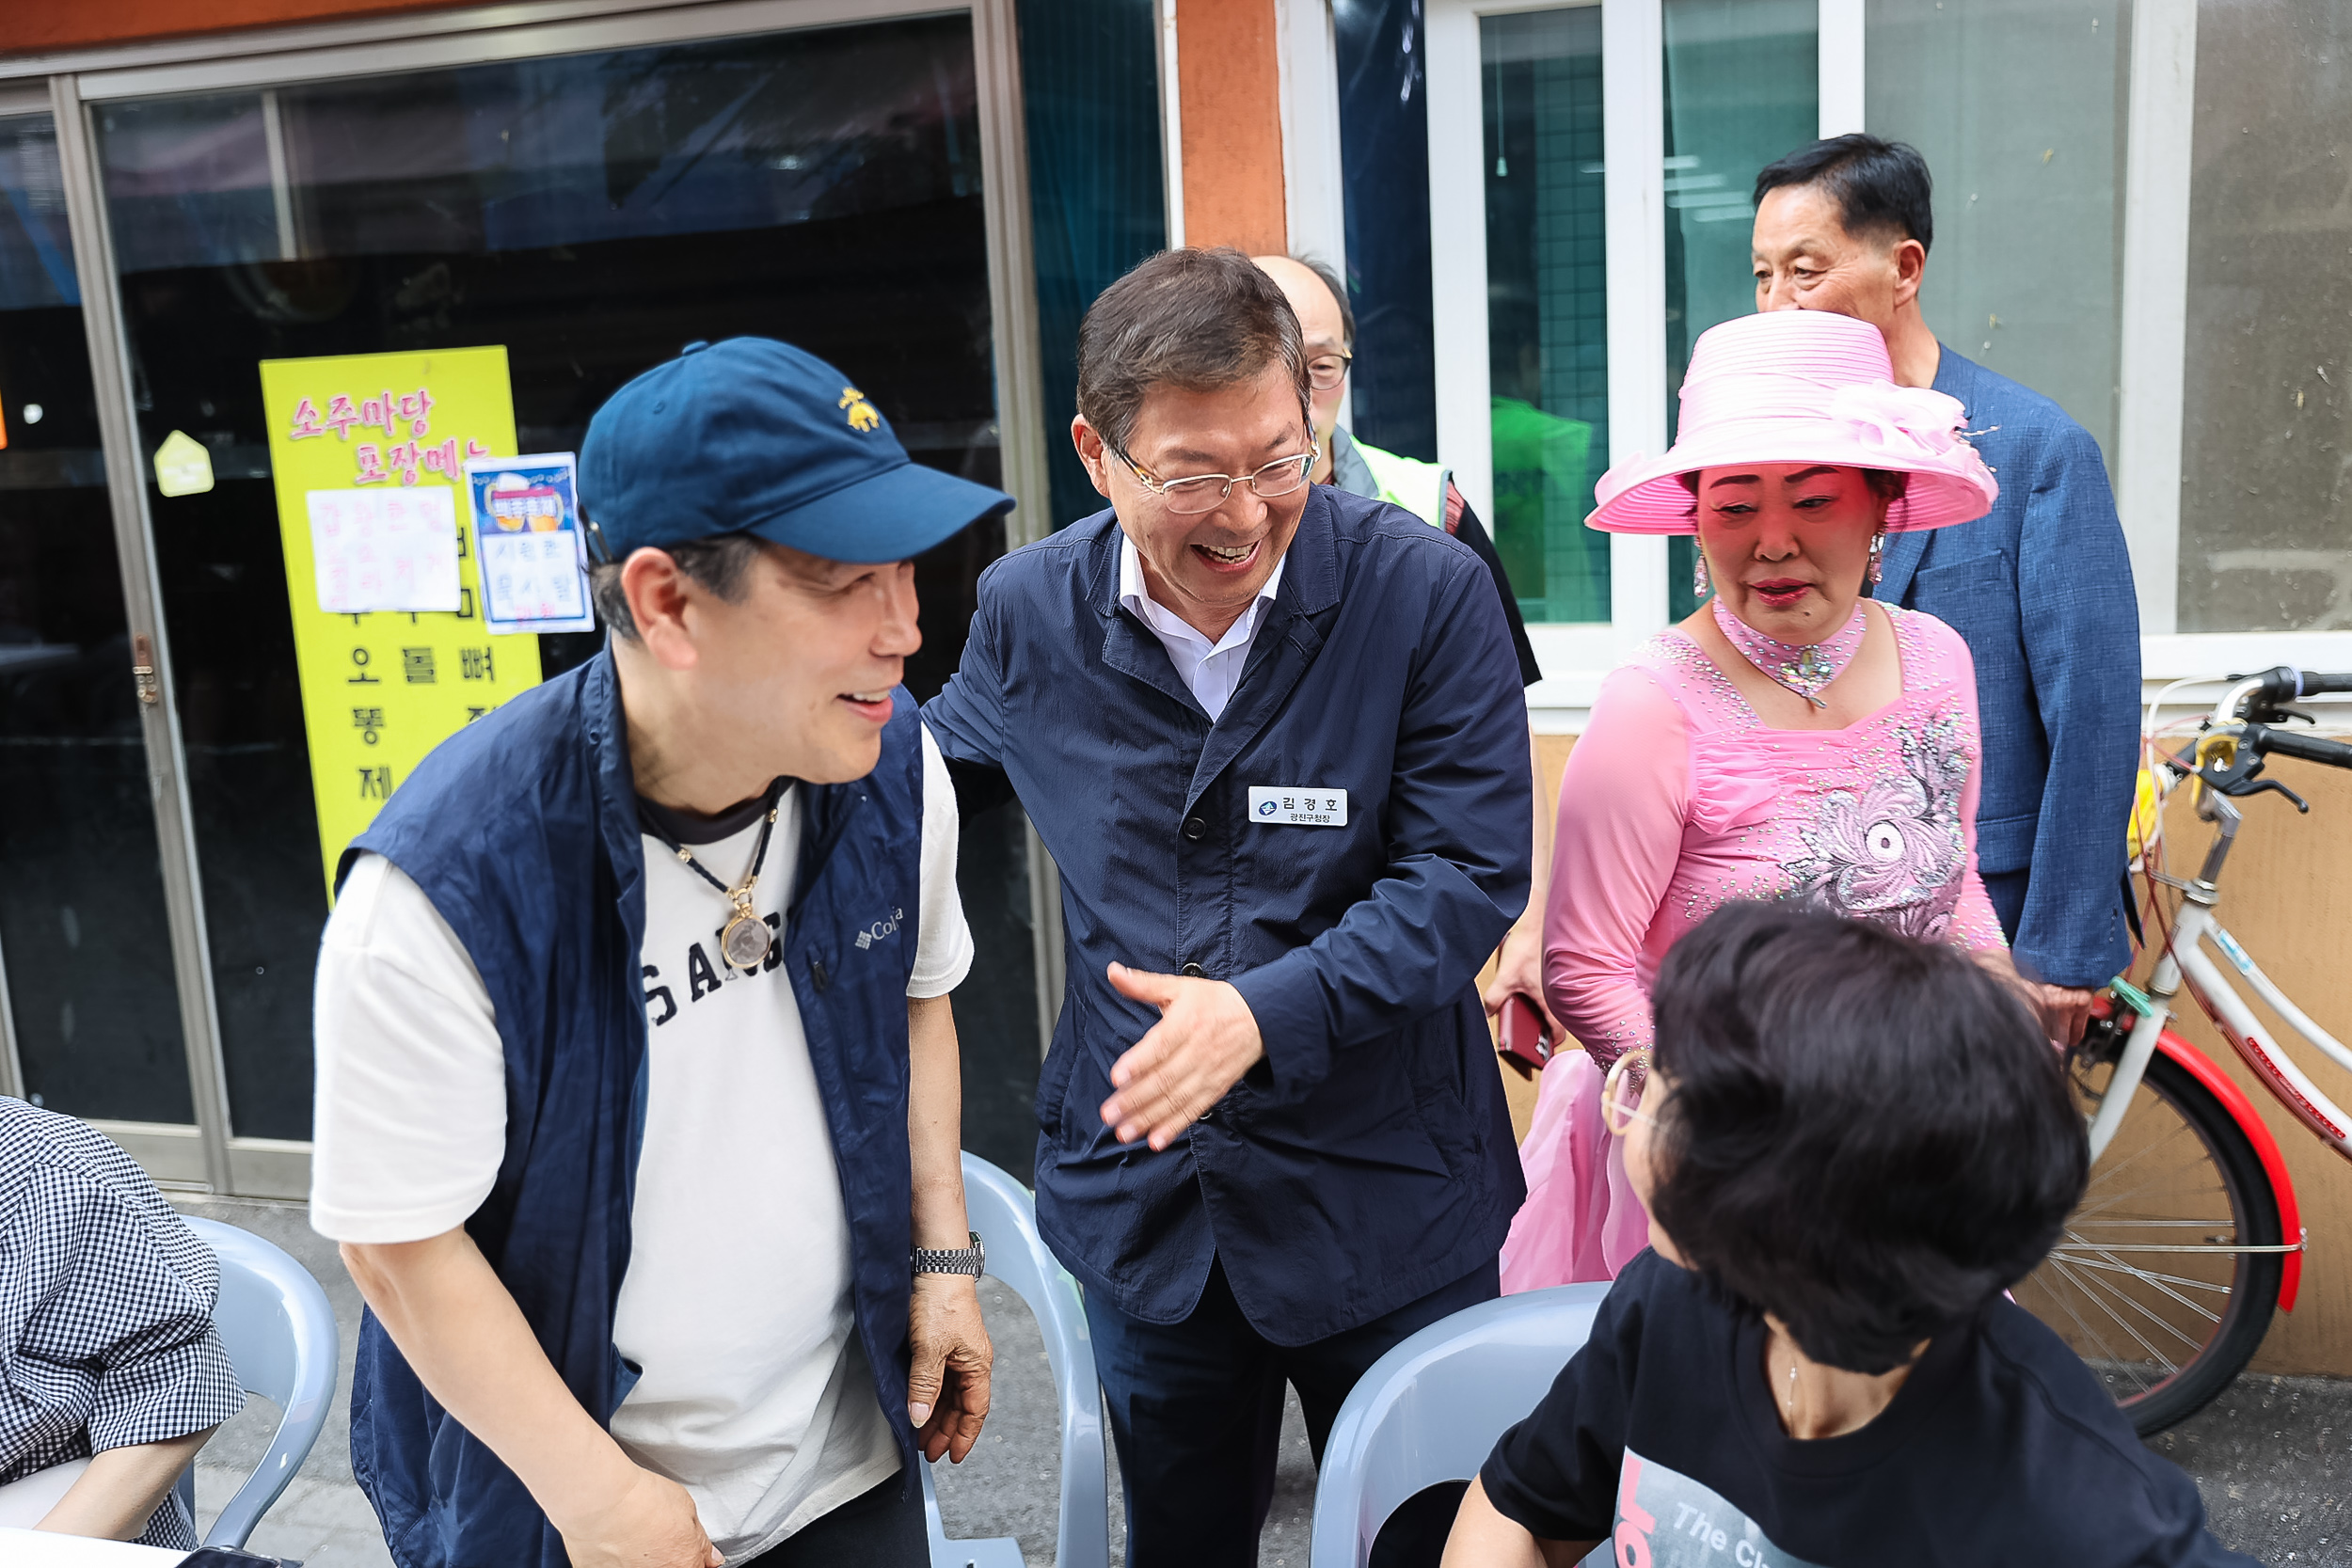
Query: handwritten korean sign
x=359, y=444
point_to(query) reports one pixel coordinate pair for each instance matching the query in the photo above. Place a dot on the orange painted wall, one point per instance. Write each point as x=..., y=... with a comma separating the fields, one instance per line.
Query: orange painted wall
x=1230, y=104
x=29, y=27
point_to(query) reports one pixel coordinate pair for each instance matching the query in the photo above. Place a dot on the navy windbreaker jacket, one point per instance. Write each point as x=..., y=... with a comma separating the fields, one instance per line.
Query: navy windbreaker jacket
x=522, y=831
x=1369, y=1160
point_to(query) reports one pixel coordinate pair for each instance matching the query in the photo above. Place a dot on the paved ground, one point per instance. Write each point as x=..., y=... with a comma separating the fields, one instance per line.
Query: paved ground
x=2273, y=1456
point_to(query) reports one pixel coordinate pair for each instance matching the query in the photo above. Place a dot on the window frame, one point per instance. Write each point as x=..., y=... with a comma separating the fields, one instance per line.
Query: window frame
x=2151, y=307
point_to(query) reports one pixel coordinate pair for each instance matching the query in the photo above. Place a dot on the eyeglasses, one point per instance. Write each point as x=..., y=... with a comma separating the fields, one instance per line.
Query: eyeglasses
x=1327, y=371
x=1207, y=492
x=1621, y=1092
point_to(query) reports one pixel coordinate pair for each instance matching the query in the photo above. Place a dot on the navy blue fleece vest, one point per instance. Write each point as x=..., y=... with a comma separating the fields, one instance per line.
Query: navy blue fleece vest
x=522, y=830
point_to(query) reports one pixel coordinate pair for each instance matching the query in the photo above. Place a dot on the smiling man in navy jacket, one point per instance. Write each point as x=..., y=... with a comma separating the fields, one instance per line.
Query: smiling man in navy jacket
x=1271, y=734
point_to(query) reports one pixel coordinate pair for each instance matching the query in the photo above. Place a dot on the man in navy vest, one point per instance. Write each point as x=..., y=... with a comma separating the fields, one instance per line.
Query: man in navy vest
x=2040, y=587
x=1272, y=735
x=638, y=1089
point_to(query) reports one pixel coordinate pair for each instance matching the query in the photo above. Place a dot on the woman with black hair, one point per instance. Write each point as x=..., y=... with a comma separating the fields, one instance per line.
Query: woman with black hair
x=1850, y=1143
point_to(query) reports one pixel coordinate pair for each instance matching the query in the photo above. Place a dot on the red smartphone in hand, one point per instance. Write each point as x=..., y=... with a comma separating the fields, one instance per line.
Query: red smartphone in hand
x=1522, y=1044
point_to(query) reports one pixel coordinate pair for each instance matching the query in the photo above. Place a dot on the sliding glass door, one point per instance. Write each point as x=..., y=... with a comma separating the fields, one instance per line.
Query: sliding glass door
x=89, y=1016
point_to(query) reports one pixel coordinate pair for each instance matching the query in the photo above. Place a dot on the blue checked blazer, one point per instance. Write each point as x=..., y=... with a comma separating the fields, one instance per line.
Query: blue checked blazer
x=2041, y=588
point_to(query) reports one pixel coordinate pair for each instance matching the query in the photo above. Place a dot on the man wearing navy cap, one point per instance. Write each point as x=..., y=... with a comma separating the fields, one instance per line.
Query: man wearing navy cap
x=638, y=1097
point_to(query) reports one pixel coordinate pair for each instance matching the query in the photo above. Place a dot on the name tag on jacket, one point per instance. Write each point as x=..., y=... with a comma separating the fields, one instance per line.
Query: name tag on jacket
x=1296, y=806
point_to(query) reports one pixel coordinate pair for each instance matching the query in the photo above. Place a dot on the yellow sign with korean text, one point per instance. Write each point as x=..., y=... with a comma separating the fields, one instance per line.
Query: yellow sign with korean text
x=368, y=453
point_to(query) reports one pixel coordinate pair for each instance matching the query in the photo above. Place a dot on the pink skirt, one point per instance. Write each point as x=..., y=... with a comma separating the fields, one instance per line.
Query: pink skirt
x=1580, y=1221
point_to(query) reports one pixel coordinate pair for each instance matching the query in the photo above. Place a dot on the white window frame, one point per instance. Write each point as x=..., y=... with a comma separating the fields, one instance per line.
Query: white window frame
x=2153, y=311
x=1633, y=197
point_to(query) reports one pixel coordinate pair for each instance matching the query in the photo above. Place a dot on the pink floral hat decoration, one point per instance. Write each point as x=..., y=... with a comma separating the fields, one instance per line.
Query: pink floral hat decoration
x=1802, y=386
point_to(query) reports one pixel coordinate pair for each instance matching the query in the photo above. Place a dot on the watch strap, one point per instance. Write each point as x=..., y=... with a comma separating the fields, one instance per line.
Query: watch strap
x=967, y=1260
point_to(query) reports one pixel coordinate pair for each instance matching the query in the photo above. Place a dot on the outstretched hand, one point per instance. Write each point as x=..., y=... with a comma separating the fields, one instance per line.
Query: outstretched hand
x=1205, y=1040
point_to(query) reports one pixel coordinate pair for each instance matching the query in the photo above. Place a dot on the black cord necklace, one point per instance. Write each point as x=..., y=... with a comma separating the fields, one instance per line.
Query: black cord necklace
x=746, y=939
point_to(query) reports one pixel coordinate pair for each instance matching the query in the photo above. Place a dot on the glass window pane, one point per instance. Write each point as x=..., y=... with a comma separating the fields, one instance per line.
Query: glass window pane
x=1743, y=88
x=1383, y=155
x=1097, y=197
x=82, y=933
x=1547, y=304
x=591, y=213
x=2267, y=491
x=2019, y=107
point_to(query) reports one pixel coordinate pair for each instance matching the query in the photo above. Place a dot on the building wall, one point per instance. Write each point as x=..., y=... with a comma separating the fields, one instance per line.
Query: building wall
x=39, y=26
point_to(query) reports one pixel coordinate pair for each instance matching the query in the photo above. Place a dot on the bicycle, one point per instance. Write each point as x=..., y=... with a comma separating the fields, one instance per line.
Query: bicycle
x=2189, y=1238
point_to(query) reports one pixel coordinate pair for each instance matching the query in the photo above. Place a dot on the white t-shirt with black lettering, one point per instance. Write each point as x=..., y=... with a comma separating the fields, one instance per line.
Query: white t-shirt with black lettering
x=756, y=1394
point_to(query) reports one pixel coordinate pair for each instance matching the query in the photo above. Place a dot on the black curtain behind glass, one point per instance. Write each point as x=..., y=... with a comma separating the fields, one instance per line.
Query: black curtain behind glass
x=1096, y=188
x=1384, y=153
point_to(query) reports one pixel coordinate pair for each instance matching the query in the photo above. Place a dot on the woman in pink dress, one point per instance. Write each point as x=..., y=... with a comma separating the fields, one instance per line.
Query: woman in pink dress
x=1789, y=741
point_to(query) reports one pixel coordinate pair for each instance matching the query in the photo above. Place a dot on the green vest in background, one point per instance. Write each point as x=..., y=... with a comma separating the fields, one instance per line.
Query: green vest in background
x=1363, y=469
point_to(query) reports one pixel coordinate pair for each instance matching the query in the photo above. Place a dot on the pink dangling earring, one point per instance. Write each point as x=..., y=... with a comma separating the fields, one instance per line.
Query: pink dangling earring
x=1700, y=584
x=1878, y=552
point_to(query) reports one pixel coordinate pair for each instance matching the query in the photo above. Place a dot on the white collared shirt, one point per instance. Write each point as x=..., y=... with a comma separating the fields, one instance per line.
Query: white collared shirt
x=1210, y=673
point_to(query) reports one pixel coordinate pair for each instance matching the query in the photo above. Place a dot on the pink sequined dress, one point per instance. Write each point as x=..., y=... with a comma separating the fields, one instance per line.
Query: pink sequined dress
x=1678, y=799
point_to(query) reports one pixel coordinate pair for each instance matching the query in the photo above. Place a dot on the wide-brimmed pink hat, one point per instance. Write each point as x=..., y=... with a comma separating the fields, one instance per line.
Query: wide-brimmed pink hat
x=1802, y=386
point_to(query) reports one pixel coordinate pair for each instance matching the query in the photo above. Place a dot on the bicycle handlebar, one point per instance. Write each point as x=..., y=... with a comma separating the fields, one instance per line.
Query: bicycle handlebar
x=2284, y=683
x=2292, y=743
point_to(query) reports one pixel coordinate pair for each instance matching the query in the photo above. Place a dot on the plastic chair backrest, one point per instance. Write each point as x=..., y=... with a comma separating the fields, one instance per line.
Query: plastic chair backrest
x=1004, y=1214
x=1432, y=1409
x=279, y=1331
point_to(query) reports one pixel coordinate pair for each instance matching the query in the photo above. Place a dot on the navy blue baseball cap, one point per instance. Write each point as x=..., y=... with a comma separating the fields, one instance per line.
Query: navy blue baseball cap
x=752, y=436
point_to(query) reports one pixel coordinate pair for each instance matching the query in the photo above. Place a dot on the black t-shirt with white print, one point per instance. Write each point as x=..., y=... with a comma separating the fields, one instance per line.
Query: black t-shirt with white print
x=1660, y=1440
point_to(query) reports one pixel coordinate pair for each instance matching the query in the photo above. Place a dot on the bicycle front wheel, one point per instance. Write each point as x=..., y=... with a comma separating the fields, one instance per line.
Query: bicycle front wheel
x=2157, y=1283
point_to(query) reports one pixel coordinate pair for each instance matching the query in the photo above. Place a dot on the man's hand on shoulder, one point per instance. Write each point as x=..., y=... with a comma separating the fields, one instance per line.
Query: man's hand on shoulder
x=648, y=1521
x=1205, y=1040
x=947, y=1383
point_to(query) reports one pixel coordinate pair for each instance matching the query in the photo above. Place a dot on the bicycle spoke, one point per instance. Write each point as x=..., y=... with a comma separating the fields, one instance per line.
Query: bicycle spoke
x=2088, y=1281
x=2106, y=1351
x=2101, y=1270
x=2094, y=1258
x=2091, y=1259
x=2100, y=1179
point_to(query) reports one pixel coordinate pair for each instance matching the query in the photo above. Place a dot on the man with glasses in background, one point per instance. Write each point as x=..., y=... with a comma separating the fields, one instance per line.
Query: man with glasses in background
x=1270, y=733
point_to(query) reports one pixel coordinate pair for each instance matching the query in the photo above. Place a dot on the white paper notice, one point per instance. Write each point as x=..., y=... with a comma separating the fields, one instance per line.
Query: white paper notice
x=385, y=549
x=533, y=578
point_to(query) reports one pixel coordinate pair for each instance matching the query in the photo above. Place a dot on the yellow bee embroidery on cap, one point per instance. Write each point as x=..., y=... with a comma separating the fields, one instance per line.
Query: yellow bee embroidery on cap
x=863, y=414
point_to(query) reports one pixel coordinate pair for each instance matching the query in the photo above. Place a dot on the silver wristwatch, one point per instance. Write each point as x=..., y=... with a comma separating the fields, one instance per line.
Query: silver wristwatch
x=971, y=1259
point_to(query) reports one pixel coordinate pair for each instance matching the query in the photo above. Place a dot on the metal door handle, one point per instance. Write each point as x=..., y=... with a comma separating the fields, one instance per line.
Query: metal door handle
x=143, y=671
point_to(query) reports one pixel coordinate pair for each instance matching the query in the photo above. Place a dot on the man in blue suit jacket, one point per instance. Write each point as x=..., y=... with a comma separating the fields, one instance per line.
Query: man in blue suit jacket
x=1272, y=735
x=2041, y=587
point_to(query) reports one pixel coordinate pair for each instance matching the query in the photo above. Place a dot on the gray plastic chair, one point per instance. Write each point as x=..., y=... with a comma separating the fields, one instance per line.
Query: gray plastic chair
x=280, y=1334
x=1005, y=1215
x=1432, y=1408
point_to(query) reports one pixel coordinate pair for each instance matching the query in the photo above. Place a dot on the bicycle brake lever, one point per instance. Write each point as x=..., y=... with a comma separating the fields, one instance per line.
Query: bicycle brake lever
x=2255, y=786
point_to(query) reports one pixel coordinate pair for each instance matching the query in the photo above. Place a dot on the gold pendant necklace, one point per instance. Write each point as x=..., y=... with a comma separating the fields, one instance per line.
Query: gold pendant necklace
x=746, y=940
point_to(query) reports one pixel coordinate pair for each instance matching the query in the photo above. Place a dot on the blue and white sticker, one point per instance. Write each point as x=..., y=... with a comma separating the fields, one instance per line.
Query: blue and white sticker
x=2228, y=944
x=1297, y=806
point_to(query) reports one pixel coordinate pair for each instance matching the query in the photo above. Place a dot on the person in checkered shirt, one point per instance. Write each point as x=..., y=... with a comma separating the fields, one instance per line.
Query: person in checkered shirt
x=111, y=1373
